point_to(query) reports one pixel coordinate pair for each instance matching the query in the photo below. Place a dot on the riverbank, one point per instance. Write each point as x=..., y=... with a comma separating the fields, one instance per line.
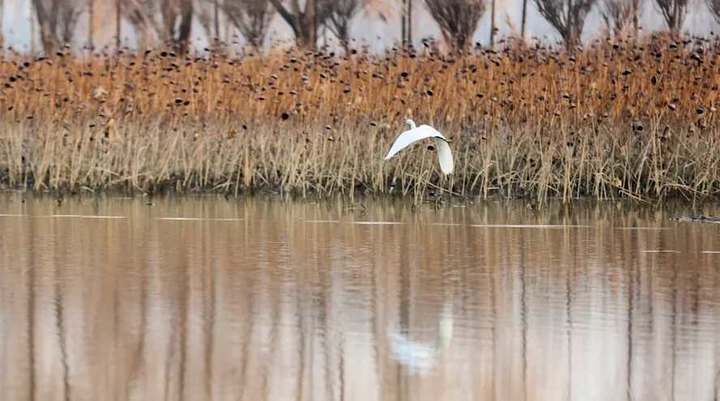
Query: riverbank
x=630, y=121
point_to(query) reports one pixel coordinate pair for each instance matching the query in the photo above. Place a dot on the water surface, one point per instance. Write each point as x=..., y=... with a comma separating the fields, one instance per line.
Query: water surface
x=213, y=299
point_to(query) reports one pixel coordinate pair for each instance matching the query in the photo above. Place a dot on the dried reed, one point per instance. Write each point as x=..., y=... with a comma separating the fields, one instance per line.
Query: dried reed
x=635, y=120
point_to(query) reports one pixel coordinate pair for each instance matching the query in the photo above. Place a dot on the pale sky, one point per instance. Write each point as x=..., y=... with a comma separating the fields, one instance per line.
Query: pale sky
x=370, y=29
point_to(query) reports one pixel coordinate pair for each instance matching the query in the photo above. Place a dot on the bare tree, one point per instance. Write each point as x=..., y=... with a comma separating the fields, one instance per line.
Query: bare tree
x=492, y=24
x=177, y=23
x=406, y=10
x=339, y=18
x=409, y=16
x=674, y=13
x=118, y=24
x=714, y=6
x=168, y=20
x=523, y=21
x=567, y=17
x=91, y=24
x=621, y=15
x=33, y=29
x=458, y=19
x=403, y=22
x=304, y=21
x=141, y=15
x=57, y=20
x=216, y=18
x=251, y=17
x=205, y=12
x=2, y=13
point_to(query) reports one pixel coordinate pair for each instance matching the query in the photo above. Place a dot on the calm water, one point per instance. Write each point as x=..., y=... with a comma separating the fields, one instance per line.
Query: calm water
x=261, y=300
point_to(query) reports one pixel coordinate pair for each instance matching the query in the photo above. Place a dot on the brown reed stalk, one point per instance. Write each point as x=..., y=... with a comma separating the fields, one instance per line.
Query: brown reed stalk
x=630, y=120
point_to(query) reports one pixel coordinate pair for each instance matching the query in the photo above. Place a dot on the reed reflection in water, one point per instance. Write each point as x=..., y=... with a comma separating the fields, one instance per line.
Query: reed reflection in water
x=210, y=299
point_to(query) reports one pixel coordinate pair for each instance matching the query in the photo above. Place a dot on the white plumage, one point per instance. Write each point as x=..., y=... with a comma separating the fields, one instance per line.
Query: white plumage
x=416, y=134
x=419, y=357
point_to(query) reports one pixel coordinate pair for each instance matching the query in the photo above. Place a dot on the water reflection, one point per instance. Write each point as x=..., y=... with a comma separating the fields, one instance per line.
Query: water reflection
x=422, y=357
x=273, y=301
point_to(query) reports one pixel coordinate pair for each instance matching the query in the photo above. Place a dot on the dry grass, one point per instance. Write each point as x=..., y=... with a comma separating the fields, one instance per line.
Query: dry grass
x=628, y=120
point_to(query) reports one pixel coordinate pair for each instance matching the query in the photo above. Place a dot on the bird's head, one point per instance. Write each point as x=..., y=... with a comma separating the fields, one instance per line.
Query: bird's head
x=410, y=123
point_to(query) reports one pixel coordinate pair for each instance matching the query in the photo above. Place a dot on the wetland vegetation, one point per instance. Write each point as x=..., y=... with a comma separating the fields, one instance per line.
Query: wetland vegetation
x=632, y=119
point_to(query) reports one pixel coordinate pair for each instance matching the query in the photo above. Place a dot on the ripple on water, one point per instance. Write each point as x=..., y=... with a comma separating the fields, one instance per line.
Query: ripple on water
x=269, y=308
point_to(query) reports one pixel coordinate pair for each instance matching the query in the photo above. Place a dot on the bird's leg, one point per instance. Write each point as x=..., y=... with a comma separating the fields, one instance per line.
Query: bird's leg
x=451, y=184
x=421, y=182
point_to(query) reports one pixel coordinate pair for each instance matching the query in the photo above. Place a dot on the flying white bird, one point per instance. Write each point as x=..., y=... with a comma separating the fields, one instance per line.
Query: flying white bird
x=419, y=357
x=415, y=134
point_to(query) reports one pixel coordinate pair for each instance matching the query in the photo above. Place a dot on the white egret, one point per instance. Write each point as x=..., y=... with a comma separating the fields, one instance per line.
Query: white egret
x=419, y=357
x=415, y=134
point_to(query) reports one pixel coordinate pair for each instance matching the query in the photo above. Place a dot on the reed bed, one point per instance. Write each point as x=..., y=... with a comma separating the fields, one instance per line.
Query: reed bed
x=634, y=120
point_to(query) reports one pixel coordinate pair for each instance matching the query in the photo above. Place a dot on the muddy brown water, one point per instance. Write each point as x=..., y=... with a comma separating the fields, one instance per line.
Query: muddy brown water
x=213, y=299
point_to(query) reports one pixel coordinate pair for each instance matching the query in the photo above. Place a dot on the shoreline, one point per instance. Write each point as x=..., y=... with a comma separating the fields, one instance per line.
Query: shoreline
x=359, y=201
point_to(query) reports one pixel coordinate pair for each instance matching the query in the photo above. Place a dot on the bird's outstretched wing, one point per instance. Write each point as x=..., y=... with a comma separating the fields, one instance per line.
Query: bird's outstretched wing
x=407, y=138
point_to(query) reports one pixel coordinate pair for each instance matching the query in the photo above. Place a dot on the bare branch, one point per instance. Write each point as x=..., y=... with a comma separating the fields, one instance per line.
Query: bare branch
x=284, y=13
x=57, y=20
x=173, y=27
x=340, y=14
x=140, y=13
x=251, y=17
x=567, y=17
x=2, y=9
x=304, y=21
x=714, y=6
x=674, y=13
x=458, y=19
x=621, y=15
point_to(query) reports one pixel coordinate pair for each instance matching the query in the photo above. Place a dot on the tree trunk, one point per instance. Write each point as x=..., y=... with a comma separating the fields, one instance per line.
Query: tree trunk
x=33, y=17
x=572, y=39
x=410, y=23
x=406, y=23
x=226, y=32
x=303, y=24
x=216, y=17
x=118, y=28
x=169, y=15
x=182, y=42
x=523, y=21
x=403, y=23
x=2, y=12
x=673, y=20
x=310, y=23
x=91, y=23
x=492, y=25
x=47, y=29
x=572, y=34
